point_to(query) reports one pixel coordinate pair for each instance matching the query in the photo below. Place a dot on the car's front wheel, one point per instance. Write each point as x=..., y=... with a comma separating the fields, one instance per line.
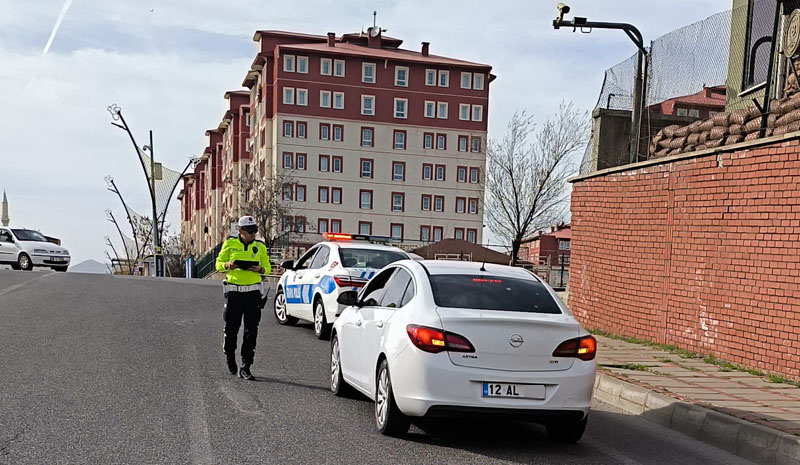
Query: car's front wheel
x=388, y=417
x=339, y=386
x=321, y=327
x=24, y=262
x=281, y=313
x=567, y=430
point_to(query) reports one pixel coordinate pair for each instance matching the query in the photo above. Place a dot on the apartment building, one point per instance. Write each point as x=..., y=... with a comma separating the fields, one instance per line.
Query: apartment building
x=364, y=137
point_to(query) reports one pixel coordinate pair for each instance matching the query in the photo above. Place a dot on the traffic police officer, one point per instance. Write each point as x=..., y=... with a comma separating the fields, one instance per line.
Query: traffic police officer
x=243, y=292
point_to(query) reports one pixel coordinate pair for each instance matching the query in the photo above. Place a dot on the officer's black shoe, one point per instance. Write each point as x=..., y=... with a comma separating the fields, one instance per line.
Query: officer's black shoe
x=232, y=368
x=244, y=373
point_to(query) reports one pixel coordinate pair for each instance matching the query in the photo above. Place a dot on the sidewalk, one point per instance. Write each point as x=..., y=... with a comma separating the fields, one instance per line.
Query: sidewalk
x=743, y=413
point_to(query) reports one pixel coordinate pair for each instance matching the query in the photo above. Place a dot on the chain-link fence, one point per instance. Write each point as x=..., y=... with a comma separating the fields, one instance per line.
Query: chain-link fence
x=705, y=86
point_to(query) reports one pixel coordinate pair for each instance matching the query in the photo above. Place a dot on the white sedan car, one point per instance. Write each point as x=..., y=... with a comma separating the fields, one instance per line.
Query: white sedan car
x=24, y=249
x=444, y=339
x=309, y=287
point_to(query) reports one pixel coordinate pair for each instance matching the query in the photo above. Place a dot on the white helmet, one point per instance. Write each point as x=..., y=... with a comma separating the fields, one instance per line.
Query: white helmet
x=245, y=221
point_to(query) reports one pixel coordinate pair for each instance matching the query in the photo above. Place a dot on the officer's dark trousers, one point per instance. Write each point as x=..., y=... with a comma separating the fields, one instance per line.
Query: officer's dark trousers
x=242, y=306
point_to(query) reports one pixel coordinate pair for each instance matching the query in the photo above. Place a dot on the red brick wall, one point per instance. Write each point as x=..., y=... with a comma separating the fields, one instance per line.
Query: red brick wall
x=702, y=253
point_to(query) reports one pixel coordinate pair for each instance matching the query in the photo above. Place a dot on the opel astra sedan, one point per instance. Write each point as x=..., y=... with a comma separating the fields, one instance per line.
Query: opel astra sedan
x=448, y=339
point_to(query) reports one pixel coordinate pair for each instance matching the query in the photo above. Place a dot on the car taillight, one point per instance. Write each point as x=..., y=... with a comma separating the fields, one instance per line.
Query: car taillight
x=584, y=348
x=435, y=340
x=349, y=281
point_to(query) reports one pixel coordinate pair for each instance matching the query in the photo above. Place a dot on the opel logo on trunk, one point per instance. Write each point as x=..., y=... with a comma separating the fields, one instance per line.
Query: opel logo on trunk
x=515, y=340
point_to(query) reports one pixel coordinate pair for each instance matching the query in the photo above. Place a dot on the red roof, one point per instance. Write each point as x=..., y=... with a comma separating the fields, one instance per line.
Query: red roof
x=562, y=232
x=394, y=53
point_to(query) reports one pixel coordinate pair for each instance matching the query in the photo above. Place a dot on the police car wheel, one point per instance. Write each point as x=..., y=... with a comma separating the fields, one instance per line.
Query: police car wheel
x=321, y=327
x=281, y=314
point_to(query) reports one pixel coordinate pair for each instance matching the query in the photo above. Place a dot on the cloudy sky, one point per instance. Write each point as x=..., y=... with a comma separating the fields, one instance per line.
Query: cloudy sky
x=167, y=63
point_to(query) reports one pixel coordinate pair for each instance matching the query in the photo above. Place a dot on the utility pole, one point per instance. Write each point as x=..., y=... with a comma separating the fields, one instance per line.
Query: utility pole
x=158, y=257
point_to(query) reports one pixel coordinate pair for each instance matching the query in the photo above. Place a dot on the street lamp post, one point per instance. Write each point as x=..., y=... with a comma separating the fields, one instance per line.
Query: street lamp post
x=635, y=36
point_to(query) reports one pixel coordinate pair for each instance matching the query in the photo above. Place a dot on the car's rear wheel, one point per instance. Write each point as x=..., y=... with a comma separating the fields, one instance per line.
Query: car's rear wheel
x=566, y=430
x=321, y=327
x=24, y=262
x=339, y=386
x=388, y=417
x=281, y=313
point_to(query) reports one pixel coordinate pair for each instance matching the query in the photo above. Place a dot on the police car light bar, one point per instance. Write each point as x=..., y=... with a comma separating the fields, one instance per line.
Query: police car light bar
x=337, y=236
x=356, y=237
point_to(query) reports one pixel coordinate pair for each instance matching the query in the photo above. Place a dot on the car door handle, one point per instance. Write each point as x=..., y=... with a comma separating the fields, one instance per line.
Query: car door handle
x=379, y=324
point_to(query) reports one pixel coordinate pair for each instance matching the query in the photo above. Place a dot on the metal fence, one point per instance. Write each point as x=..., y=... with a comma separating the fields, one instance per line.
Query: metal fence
x=205, y=265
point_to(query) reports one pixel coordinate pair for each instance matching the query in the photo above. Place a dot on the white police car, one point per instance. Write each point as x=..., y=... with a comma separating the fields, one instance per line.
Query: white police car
x=308, y=289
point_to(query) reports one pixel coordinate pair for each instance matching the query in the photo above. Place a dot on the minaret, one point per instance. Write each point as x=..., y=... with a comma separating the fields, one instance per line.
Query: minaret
x=5, y=218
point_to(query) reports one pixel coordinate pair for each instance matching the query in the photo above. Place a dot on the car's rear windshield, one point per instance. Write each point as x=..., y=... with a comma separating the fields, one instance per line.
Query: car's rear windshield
x=369, y=258
x=482, y=292
x=28, y=235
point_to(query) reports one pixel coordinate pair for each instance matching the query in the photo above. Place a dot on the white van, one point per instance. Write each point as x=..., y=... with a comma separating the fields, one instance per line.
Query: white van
x=24, y=249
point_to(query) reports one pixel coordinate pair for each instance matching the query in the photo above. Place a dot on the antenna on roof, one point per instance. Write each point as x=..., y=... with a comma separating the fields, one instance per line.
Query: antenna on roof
x=483, y=265
x=374, y=18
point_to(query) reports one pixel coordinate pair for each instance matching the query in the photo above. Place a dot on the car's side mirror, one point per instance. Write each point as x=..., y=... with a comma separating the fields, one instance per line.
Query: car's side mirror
x=348, y=298
x=287, y=265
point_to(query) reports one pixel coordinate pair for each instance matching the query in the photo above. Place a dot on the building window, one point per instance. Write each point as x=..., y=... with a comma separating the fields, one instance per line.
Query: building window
x=444, y=78
x=300, y=224
x=473, y=175
x=466, y=80
x=301, y=130
x=440, y=172
x=324, y=99
x=400, y=140
x=401, y=76
x=398, y=171
x=473, y=206
x=322, y=225
x=461, y=206
x=472, y=235
x=368, y=73
x=760, y=17
x=681, y=112
x=288, y=95
x=477, y=81
x=287, y=192
x=463, y=112
x=366, y=168
x=398, y=202
x=427, y=171
x=338, y=132
x=301, y=161
x=324, y=131
x=438, y=203
x=441, y=110
x=300, y=193
x=365, y=228
x=458, y=233
x=288, y=63
x=325, y=66
x=287, y=223
x=430, y=109
x=323, y=195
x=338, y=100
x=438, y=231
x=563, y=245
x=287, y=160
x=400, y=107
x=365, y=200
x=694, y=113
x=302, y=65
x=397, y=231
x=366, y=137
x=338, y=68
x=336, y=164
x=425, y=204
x=477, y=112
x=336, y=195
x=288, y=127
x=462, y=174
x=427, y=140
x=430, y=77
x=462, y=143
x=368, y=105
x=302, y=97
x=336, y=226
x=476, y=144
x=425, y=233
x=324, y=163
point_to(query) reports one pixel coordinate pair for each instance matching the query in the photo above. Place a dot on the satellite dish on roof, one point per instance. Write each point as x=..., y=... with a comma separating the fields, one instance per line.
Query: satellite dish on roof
x=374, y=31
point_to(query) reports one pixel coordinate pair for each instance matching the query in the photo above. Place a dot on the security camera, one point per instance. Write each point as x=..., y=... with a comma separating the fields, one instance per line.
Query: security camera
x=562, y=10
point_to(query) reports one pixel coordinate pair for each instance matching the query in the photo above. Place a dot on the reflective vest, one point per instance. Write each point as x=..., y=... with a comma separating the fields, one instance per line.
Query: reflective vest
x=234, y=249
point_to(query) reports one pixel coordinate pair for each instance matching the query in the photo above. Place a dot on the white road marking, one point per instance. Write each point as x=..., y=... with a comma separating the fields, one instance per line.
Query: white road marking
x=199, y=441
x=17, y=286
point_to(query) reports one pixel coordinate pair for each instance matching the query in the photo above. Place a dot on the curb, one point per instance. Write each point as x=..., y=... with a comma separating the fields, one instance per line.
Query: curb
x=741, y=437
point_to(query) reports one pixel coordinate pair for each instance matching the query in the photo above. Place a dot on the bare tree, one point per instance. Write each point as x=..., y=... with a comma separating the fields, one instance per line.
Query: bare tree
x=526, y=173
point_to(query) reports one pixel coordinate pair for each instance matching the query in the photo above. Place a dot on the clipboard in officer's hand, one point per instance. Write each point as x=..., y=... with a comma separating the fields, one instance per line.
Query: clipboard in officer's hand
x=245, y=264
